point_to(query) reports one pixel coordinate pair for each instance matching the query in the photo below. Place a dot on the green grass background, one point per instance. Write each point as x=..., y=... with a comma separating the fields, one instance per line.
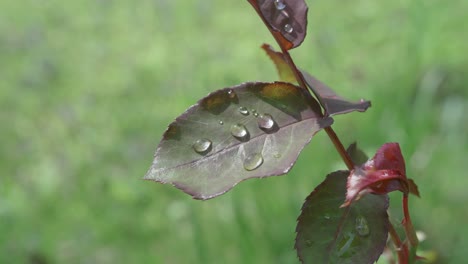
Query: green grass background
x=88, y=87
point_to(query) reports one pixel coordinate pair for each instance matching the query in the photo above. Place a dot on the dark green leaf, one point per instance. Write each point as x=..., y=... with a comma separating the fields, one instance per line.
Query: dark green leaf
x=248, y=131
x=327, y=233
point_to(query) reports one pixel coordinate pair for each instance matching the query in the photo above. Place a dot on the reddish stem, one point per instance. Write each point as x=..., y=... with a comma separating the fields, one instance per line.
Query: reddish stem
x=339, y=147
x=409, y=229
x=402, y=249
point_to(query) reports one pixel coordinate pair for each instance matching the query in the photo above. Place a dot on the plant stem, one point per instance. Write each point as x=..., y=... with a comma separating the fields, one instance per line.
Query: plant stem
x=401, y=248
x=409, y=229
x=330, y=132
x=339, y=147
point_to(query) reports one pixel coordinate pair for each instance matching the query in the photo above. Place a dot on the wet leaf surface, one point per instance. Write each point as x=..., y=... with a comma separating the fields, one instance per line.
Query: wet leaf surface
x=248, y=131
x=286, y=19
x=331, y=102
x=327, y=233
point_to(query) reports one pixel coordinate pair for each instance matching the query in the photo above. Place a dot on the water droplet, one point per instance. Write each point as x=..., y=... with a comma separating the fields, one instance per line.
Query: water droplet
x=309, y=243
x=265, y=121
x=239, y=131
x=288, y=28
x=326, y=217
x=276, y=155
x=221, y=122
x=253, y=161
x=362, y=227
x=279, y=4
x=254, y=112
x=202, y=145
x=231, y=94
x=243, y=110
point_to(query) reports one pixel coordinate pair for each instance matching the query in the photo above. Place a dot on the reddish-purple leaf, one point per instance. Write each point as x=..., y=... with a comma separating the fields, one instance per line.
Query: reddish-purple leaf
x=327, y=233
x=286, y=19
x=382, y=174
x=361, y=182
x=330, y=101
x=249, y=131
x=388, y=157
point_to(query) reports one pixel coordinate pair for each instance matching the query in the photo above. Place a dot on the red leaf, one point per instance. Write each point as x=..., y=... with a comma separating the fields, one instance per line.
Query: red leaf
x=361, y=182
x=382, y=174
x=388, y=157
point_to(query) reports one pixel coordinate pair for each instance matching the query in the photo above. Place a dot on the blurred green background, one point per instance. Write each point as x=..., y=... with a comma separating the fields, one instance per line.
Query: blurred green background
x=88, y=87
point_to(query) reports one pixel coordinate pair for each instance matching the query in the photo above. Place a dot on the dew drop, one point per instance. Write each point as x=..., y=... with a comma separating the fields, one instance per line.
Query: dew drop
x=253, y=161
x=254, y=112
x=362, y=228
x=279, y=4
x=327, y=217
x=288, y=28
x=266, y=122
x=221, y=122
x=276, y=155
x=239, y=131
x=243, y=110
x=202, y=145
x=231, y=94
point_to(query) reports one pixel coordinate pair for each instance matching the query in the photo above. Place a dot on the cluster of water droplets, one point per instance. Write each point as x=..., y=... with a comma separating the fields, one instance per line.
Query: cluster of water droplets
x=239, y=131
x=281, y=6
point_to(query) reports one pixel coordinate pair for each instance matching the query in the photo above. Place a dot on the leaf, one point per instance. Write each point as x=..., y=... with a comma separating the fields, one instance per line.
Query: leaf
x=388, y=157
x=357, y=155
x=284, y=71
x=330, y=101
x=329, y=234
x=286, y=20
x=382, y=174
x=361, y=182
x=249, y=131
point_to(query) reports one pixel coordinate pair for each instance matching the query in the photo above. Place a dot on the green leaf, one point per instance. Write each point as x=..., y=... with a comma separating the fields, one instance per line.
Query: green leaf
x=248, y=131
x=284, y=71
x=327, y=233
